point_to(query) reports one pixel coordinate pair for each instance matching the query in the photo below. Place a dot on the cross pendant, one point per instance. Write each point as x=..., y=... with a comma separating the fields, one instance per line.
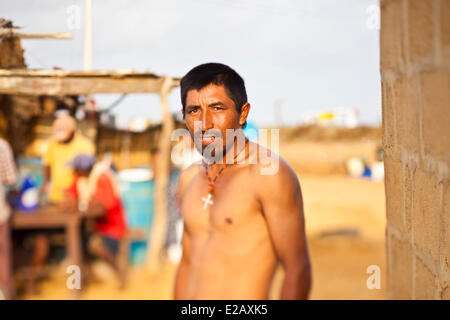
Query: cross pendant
x=207, y=201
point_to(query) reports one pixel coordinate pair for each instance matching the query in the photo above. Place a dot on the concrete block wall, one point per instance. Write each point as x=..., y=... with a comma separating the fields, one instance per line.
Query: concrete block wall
x=415, y=72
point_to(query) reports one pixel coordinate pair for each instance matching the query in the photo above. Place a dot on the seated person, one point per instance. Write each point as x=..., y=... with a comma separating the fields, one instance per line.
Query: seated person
x=66, y=142
x=96, y=183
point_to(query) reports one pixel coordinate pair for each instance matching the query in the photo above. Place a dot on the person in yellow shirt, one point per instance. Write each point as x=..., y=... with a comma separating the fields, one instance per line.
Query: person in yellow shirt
x=65, y=145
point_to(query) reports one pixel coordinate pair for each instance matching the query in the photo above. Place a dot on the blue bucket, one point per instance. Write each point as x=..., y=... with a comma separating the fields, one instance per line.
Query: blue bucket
x=136, y=188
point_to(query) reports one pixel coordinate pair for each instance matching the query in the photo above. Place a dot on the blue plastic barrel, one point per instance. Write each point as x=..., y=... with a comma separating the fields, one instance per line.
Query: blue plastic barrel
x=136, y=188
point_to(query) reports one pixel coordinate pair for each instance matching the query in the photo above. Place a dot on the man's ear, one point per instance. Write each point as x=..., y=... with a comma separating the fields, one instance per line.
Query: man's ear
x=244, y=113
x=182, y=111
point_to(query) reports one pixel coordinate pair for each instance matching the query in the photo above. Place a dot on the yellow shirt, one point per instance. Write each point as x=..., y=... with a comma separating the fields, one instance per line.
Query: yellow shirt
x=57, y=157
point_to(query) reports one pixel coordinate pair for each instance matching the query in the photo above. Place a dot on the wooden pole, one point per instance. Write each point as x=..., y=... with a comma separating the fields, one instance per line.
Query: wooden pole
x=88, y=37
x=159, y=227
x=87, y=61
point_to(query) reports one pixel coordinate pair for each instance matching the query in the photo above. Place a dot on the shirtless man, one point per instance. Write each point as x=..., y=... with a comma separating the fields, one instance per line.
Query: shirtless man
x=233, y=241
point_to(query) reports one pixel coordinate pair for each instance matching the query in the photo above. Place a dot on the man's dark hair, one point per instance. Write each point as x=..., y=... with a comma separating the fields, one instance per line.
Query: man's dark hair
x=218, y=74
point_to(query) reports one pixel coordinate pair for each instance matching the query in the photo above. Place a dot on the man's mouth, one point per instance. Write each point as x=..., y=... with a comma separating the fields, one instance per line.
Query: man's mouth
x=206, y=140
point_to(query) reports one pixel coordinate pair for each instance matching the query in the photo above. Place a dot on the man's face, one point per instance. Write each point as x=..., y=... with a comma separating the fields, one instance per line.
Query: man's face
x=208, y=113
x=64, y=129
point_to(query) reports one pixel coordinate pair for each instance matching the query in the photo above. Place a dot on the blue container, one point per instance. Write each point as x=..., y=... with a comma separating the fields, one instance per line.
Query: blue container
x=29, y=194
x=29, y=182
x=30, y=166
x=136, y=188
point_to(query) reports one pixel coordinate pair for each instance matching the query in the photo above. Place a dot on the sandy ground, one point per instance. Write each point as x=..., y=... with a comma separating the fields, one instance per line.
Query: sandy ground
x=345, y=221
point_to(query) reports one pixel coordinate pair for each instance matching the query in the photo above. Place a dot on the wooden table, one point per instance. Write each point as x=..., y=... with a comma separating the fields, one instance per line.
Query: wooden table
x=52, y=216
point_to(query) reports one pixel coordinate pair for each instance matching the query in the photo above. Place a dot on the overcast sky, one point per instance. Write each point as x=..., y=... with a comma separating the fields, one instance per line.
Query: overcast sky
x=312, y=54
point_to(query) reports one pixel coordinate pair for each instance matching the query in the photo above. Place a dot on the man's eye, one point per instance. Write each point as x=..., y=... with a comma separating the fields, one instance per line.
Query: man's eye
x=217, y=108
x=192, y=111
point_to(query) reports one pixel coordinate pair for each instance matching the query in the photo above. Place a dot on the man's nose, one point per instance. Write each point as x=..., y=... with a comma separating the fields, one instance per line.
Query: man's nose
x=206, y=120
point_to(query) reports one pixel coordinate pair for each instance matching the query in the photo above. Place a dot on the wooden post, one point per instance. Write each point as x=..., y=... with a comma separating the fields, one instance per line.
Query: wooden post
x=87, y=61
x=159, y=227
x=88, y=37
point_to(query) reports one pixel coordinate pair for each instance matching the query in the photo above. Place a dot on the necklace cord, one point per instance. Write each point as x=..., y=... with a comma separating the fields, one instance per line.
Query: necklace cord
x=211, y=182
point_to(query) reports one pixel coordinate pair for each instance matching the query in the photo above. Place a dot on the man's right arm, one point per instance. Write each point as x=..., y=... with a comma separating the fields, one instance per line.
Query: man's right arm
x=183, y=270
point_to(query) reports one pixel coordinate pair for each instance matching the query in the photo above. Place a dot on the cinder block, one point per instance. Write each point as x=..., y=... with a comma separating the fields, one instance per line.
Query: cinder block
x=446, y=210
x=426, y=282
x=407, y=113
x=394, y=192
x=445, y=22
x=445, y=294
x=445, y=267
x=391, y=34
x=435, y=88
x=445, y=259
x=426, y=216
x=408, y=188
x=400, y=263
x=388, y=116
x=420, y=27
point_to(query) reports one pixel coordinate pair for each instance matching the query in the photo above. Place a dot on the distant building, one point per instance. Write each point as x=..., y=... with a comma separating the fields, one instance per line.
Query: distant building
x=339, y=117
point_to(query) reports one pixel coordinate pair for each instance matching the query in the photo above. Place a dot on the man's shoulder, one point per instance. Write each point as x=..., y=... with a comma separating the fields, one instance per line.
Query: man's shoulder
x=190, y=172
x=269, y=164
x=187, y=175
x=275, y=182
x=272, y=175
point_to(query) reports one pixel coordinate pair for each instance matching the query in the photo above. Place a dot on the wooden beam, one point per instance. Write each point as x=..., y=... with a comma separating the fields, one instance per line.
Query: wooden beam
x=76, y=86
x=60, y=82
x=9, y=32
x=74, y=73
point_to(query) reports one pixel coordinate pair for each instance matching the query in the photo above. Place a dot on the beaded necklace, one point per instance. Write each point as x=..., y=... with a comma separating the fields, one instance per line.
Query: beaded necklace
x=211, y=182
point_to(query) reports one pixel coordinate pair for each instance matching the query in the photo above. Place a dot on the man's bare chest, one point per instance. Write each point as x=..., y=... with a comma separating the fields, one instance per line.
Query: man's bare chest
x=232, y=205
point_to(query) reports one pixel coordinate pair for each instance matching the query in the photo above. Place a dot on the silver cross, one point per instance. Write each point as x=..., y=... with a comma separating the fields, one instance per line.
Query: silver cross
x=207, y=201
